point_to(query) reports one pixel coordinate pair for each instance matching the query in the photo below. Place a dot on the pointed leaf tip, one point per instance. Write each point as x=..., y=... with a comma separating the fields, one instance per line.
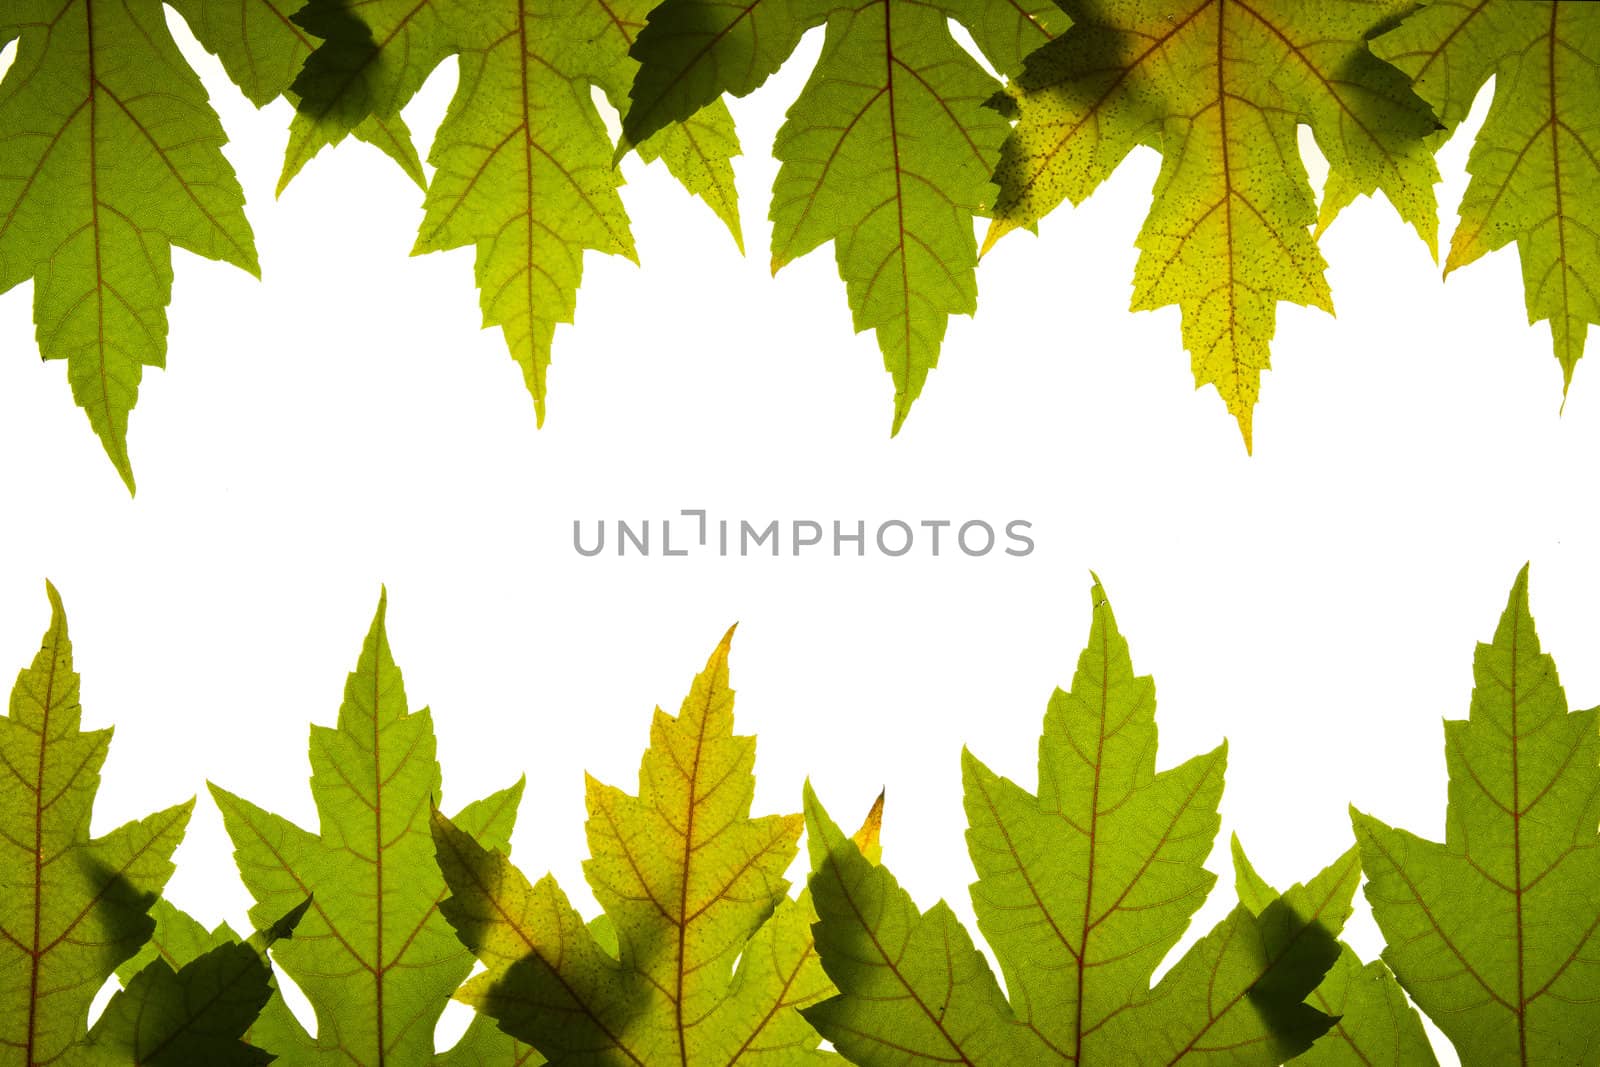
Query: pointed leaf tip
x=125, y=471
x=869, y=837
x=284, y=927
x=902, y=408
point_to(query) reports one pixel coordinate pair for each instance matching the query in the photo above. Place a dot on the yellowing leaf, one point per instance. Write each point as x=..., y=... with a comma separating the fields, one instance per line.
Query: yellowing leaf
x=1495, y=933
x=690, y=884
x=887, y=153
x=372, y=954
x=72, y=907
x=524, y=163
x=1082, y=890
x=1536, y=162
x=112, y=157
x=1219, y=88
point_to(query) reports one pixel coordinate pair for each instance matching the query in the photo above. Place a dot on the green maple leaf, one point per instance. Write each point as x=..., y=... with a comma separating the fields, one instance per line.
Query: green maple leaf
x=72, y=907
x=188, y=997
x=1081, y=891
x=263, y=49
x=372, y=954
x=113, y=157
x=888, y=152
x=1219, y=87
x=524, y=170
x=1495, y=933
x=690, y=883
x=1376, y=1025
x=1535, y=165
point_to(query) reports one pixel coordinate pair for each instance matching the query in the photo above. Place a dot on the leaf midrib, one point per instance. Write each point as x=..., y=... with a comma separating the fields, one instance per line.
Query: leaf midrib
x=36, y=956
x=1092, y=833
x=688, y=860
x=381, y=969
x=1521, y=1010
x=1556, y=126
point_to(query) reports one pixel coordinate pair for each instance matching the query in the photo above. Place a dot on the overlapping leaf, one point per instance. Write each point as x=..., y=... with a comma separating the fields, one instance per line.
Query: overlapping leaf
x=1495, y=933
x=690, y=884
x=1376, y=1025
x=263, y=48
x=1535, y=165
x=523, y=157
x=1081, y=891
x=71, y=907
x=112, y=157
x=188, y=997
x=1219, y=87
x=888, y=152
x=372, y=954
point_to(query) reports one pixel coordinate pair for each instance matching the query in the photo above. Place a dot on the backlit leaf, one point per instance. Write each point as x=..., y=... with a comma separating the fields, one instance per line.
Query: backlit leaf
x=690, y=884
x=1495, y=933
x=524, y=163
x=1219, y=88
x=72, y=907
x=372, y=954
x=112, y=157
x=1536, y=162
x=1082, y=890
x=888, y=152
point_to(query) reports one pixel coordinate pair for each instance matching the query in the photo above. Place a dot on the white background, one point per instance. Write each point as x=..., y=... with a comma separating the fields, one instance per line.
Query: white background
x=344, y=423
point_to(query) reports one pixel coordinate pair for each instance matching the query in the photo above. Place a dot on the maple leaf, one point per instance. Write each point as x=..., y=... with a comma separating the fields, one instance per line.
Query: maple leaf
x=1081, y=892
x=888, y=152
x=188, y=997
x=72, y=907
x=112, y=158
x=263, y=49
x=1535, y=165
x=1375, y=1024
x=372, y=954
x=1219, y=88
x=690, y=883
x=1495, y=933
x=523, y=159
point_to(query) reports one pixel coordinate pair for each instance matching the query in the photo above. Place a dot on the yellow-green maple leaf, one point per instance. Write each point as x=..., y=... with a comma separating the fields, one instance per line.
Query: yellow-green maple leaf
x=372, y=954
x=1083, y=887
x=72, y=907
x=1219, y=88
x=112, y=157
x=887, y=152
x=1535, y=165
x=524, y=163
x=702, y=957
x=1495, y=931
